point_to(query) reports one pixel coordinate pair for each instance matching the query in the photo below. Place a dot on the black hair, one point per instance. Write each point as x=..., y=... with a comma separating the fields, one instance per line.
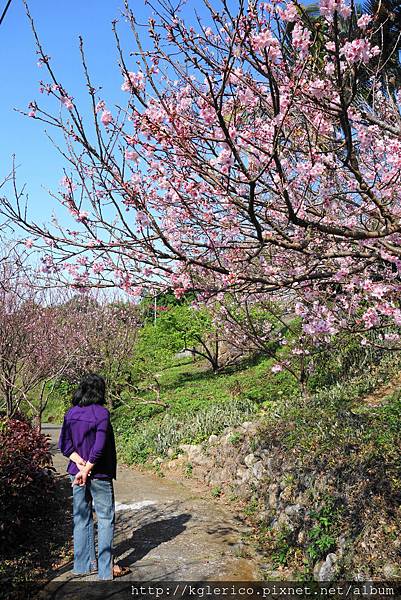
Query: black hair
x=91, y=390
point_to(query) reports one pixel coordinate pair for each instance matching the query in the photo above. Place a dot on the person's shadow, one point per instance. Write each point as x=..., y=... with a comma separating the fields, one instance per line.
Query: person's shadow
x=148, y=536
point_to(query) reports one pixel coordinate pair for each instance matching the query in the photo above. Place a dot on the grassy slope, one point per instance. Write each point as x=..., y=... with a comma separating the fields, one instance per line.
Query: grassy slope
x=350, y=430
x=200, y=404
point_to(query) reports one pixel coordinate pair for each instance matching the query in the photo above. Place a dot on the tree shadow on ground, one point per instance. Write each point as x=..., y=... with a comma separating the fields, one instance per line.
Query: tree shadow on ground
x=200, y=375
x=148, y=536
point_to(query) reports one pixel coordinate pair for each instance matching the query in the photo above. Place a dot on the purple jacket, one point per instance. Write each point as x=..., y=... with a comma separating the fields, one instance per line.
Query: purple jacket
x=87, y=430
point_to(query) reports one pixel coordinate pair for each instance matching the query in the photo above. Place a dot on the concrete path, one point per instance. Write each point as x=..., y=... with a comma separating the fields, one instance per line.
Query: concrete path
x=166, y=531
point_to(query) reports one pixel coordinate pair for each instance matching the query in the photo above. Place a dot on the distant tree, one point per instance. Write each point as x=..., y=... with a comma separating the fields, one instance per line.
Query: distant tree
x=32, y=346
x=47, y=337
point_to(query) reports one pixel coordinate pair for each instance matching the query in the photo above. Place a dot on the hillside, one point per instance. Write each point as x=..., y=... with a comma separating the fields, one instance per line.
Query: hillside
x=319, y=478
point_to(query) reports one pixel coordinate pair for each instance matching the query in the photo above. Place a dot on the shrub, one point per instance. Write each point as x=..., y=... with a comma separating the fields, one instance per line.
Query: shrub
x=26, y=483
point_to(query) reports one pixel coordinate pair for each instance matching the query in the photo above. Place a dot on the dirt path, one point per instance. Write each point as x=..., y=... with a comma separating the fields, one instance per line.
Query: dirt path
x=166, y=531
x=380, y=394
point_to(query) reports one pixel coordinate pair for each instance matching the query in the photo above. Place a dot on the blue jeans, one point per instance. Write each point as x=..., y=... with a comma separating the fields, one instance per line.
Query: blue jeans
x=100, y=493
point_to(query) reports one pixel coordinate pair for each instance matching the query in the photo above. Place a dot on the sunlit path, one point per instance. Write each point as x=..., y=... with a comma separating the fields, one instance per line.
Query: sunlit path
x=166, y=531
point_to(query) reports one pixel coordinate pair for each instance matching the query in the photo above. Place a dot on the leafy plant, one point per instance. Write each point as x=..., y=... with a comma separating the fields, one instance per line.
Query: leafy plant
x=216, y=491
x=283, y=548
x=26, y=482
x=321, y=536
x=235, y=438
x=188, y=470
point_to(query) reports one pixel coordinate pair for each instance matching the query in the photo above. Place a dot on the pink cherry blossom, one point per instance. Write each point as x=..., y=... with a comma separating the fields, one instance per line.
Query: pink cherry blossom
x=301, y=39
x=371, y=318
x=82, y=215
x=131, y=155
x=67, y=102
x=106, y=117
x=364, y=21
x=101, y=105
x=290, y=13
x=247, y=180
x=133, y=81
x=359, y=50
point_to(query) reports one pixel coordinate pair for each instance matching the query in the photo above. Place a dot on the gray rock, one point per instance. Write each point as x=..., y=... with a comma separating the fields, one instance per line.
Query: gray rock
x=294, y=510
x=249, y=425
x=250, y=459
x=243, y=474
x=287, y=494
x=283, y=522
x=360, y=576
x=184, y=447
x=213, y=439
x=273, y=495
x=195, y=454
x=264, y=516
x=326, y=570
x=268, y=464
x=391, y=571
x=341, y=545
x=219, y=476
x=258, y=470
x=301, y=537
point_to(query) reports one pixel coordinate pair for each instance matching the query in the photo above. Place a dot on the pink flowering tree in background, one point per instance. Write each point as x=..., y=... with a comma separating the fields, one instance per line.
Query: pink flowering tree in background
x=48, y=336
x=241, y=162
x=31, y=342
x=103, y=330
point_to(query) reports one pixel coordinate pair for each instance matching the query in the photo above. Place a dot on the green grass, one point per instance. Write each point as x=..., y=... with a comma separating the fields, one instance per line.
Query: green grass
x=336, y=419
x=200, y=403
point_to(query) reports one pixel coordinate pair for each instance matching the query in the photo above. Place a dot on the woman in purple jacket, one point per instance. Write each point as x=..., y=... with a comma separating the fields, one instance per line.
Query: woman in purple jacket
x=87, y=439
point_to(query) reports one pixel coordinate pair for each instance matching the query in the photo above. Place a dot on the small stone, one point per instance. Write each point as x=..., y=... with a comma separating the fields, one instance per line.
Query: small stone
x=213, y=438
x=258, y=470
x=301, y=537
x=273, y=495
x=391, y=571
x=264, y=516
x=287, y=494
x=268, y=464
x=248, y=425
x=184, y=447
x=326, y=570
x=170, y=452
x=243, y=474
x=249, y=460
x=283, y=522
x=293, y=510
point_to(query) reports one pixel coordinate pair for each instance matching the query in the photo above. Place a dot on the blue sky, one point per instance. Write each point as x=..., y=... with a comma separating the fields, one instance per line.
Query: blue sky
x=59, y=24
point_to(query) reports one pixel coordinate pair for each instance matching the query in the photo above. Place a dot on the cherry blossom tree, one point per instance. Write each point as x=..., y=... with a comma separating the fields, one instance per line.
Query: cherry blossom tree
x=48, y=336
x=103, y=330
x=238, y=162
x=30, y=348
